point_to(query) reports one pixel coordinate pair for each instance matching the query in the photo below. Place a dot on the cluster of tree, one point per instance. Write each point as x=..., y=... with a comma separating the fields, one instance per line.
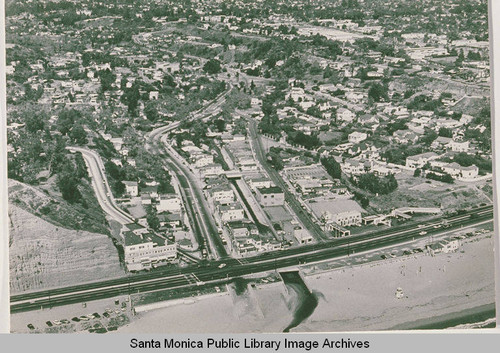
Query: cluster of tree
x=332, y=167
x=444, y=177
x=377, y=185
x=362, y=199
x=398, y=154
x=69, y=178
x=378, y=92
x=152, y=218
x=274, y=158
x=212, y=66
x=423, y=102
x=308, y=141
x=466, y=160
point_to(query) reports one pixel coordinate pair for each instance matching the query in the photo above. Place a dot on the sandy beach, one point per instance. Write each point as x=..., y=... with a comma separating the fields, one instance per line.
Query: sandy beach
x=356, y=298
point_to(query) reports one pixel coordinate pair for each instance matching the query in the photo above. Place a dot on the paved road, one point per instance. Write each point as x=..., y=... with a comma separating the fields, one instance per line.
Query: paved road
x=312, y=227
x=183, y=278
x=201, y=218
x=101, y=186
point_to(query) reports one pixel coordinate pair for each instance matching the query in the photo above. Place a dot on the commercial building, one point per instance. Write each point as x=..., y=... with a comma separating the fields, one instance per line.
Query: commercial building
x=342, y=212
x=272, y=196
x=148, y=250
x=168, y=203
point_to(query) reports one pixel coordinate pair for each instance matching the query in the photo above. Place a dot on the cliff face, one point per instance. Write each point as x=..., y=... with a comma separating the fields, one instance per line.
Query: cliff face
x=43, y=255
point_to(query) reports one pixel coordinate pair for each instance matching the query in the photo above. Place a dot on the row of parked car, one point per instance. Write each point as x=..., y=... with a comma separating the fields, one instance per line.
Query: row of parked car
x=88, y=317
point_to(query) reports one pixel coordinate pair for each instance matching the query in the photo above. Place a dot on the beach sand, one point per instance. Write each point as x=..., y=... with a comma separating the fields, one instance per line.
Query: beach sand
x=355, y=298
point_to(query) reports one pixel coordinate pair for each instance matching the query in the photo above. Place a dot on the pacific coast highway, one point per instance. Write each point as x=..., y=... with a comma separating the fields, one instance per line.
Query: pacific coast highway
x=211, y=273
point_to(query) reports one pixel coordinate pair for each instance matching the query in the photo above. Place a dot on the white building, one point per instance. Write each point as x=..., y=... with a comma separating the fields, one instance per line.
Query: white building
x=302, y=236
x=459, y=146
x=147, y=250
x=341, y=212
x=168, y=203
x=272, y=196
x=357, y=137
x=222, y=194
x=345, y=115
x=231, y=212
x=131, y=188
x=419, y=160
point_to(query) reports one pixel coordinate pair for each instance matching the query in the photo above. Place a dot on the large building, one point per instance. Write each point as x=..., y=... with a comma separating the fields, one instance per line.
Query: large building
x=342, y=212
x=232, y=212
x=223, y=194
x=169, y=203
x=147, y=250
x=272, y=196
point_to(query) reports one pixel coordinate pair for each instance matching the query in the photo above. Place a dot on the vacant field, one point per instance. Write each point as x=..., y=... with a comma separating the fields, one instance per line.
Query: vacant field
x=420, y=192
x=43, y=255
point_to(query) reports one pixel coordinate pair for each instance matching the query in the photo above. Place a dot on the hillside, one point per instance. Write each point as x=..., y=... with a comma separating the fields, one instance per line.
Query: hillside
x=43, y=255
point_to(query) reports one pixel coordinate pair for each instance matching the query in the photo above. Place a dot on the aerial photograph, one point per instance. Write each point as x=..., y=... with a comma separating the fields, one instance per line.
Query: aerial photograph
x=249, y=166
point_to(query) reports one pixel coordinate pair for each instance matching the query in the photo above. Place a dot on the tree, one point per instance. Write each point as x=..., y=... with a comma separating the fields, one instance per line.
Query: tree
x=118, y=188
x=34, y=122
x=151, y=111
x=332, y=167
x=417, y=172
x=78, y=135
x=212, y=66
x=377, y=92
x=445, y=132
x=66, y=120
x=377, y=185
x=220, y=125
x=68, y=185
x=152, y=219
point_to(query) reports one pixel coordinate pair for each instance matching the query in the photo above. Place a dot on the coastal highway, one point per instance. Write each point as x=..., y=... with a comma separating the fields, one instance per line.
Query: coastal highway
x=192, y=276
x=100, y=184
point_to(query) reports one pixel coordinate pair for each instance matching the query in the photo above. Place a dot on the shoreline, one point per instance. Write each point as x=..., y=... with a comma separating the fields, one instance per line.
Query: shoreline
x=448, y=321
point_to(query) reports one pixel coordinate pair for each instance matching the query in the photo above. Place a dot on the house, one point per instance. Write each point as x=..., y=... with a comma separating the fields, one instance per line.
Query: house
x=341, y=212
x=202, y=159
x=223, y=194
x=168, y=203
x=272, y=196
x=357, y=137
x=404, y=137
x=345, y=115
x=147, y=250
x=459, y=146
x=231, y=212
x=353, y=167
x=441, y=142
x=459, y=172
x=211, y=169
x=419, y=160
x=172, y=220
x=131, y=188
x=259, y=182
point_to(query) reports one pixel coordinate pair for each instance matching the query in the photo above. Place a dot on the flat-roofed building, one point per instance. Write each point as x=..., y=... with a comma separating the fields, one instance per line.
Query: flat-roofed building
x=147, y=250
x=131, y=188
x=231, y=212
x=342, y=212
x=272, y=196
x=168, y=203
